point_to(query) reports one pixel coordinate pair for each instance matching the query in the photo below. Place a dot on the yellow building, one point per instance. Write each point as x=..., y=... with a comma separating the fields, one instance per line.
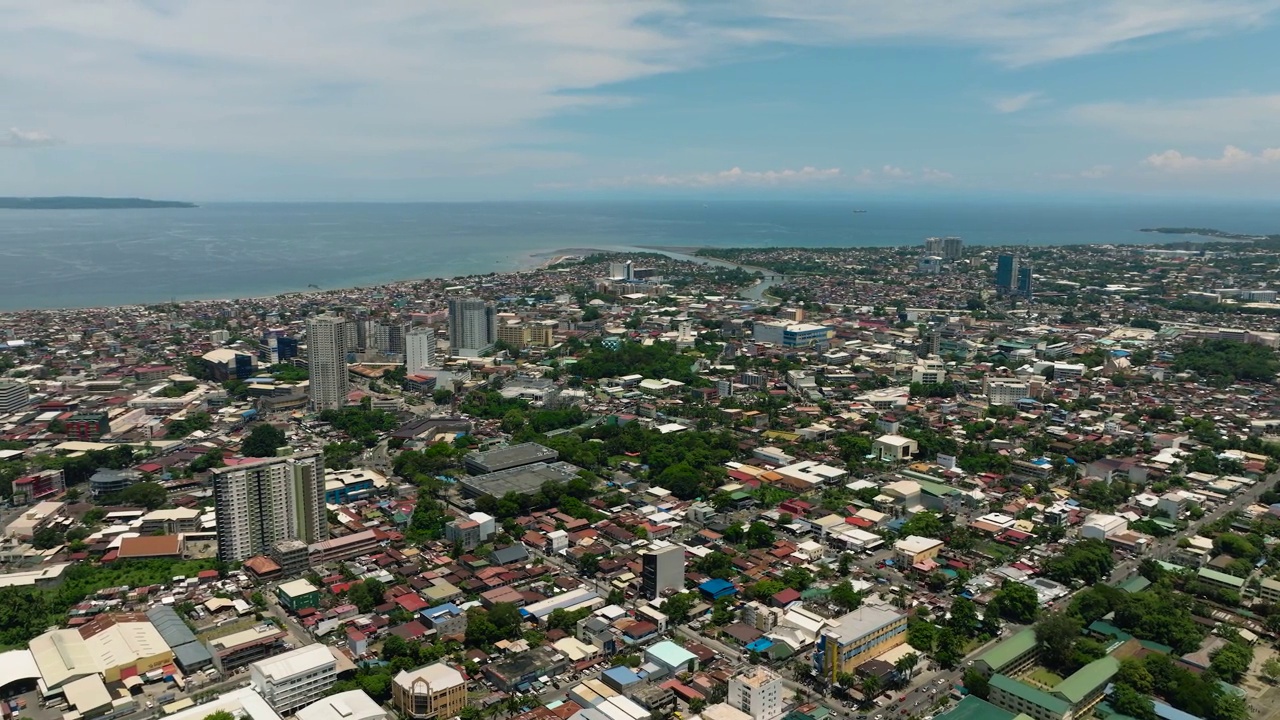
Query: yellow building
x=855, y=638
x=914, y=549
x=429, y=692
x=514, y=334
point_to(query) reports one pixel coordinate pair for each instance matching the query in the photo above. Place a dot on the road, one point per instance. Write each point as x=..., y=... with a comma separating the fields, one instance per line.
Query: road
x=1161, y=549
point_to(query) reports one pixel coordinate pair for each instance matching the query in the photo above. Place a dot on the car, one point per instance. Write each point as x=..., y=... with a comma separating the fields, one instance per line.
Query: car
x=902, y=698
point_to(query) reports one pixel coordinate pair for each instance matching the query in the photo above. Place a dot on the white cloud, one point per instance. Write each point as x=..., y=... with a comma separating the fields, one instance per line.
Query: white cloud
x=17, y=138
x=398, y=88
x=1014, y=32
x=1233, y=159
x=1015, y=103
x=1245, y=118
x=735, y=176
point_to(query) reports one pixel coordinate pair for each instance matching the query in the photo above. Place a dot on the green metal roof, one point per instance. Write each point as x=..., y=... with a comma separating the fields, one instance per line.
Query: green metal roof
x=1102, y=627
x=1087, y=679
x=998, y=657
x=1036, y=697
x=1221, y=577
x=972, y=707
x=1137, y=583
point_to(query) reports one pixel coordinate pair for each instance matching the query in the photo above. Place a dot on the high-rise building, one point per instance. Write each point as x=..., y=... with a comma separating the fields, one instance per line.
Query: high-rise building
x=327, y=361
x=662, y=569
x=757, y=691
x=952, y=248
x=419, y=349
x=1024, y=281
x=472, y=326
x=264, y=501
x=13, y=396
x=1006, y=273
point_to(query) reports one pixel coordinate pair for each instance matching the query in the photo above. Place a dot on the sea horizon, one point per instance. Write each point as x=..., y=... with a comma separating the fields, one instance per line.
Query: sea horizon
x=67, y=259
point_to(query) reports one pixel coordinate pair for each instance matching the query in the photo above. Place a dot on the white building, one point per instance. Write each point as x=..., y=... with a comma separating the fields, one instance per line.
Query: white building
x=1099, y=525
x=13, y=396
x=264, y=501
x=473, y=326
x=1173, y=504
x=420, y=350
x=929, y=372
x=757, y=691
x=1005, y=392
x=295, y=678
x=327, y=362
x=662, y=569
x=349, y=705
x=894, y=447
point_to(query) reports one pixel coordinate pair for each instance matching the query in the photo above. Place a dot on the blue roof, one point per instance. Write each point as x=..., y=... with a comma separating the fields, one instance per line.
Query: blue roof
x=760, y=645
x=717, y=587
x=623, y=676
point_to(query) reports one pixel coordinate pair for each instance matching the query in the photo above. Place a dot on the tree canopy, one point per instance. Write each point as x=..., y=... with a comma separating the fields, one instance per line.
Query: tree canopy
x=263, y=441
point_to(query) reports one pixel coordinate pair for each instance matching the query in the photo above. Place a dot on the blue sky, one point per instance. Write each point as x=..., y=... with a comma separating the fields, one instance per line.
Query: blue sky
x=559, y=99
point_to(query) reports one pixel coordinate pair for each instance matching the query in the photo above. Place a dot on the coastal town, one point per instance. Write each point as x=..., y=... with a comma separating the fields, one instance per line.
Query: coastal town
x=925, y=482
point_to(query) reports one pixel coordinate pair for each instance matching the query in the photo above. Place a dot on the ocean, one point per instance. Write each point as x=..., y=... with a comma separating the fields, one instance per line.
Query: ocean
x=85, y=258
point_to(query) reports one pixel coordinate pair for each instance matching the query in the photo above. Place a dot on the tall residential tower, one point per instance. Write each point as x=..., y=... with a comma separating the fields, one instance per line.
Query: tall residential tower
x=473, y=326
x=327, y=361
x=419, y=349
x=267, y=500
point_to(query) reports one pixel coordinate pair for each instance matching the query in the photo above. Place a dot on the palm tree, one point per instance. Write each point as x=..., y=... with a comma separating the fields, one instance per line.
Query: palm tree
x=870, y=686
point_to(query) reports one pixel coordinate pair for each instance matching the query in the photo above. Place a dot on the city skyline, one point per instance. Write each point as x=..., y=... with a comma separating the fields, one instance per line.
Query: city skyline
x=766, y=98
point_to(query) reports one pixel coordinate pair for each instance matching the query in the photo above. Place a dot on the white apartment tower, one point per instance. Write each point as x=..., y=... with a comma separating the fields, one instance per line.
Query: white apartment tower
x=13, y=396
x=757, y=691
x=262, y=502
x=473, y=326
x=419, y=349
x=327, y=361
x=661, y=570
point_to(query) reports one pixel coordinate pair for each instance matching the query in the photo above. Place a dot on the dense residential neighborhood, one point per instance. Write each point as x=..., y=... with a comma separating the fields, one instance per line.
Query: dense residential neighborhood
x=937, y=482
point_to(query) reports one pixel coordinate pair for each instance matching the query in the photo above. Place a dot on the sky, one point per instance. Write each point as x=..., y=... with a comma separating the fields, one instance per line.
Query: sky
x=405, y=100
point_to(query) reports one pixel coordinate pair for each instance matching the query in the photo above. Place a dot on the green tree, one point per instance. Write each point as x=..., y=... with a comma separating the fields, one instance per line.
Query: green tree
x=263, y=441
x=976, y=683
x=964, y=617
x=1128, y=701
x=1231, y=661
x=922, y=635
x=1017, y=602
x=925, y=524
x=759, y=535
x=151, y=495
x=1057, y=634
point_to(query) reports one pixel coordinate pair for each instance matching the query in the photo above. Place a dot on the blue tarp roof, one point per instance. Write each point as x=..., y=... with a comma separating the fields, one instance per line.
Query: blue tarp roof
x=760, y=645
x=717, y=587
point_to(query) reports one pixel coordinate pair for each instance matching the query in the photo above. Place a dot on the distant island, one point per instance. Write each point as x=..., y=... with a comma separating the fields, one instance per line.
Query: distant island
x=1211, y=233
x=87, y=203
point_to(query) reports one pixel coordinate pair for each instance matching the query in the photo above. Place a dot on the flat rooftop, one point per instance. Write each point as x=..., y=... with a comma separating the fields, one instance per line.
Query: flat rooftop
x=512, y=456
x=519, y=480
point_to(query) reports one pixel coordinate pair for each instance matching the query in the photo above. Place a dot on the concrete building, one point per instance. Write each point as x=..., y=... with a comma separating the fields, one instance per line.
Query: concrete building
x=239, y=649
x=14, y=396
x=1099, y=525
x=662, y=569
x=349, y=705
x=472, y=326
x=420, y=350
x=432, y=692
x=1005, y=392
x=38, y=486
x=327, y=362
x=857, y=637
x=264, y=501
x=929, y=372
x=1006, y=274
x=298, y=594
x=295, y=678
x=757, y=691
x=894, y=448
x=914, y=549
x=506, y=458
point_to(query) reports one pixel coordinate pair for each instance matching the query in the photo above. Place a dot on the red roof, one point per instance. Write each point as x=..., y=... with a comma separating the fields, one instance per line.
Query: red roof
x=412, y=603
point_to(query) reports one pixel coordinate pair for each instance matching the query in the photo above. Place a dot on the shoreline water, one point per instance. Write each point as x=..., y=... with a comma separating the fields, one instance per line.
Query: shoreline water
x=85, y=258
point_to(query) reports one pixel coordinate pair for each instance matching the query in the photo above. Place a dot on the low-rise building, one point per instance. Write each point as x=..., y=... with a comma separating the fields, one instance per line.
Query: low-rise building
x=857, y=637
x=431, y=692
x=295, y=678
